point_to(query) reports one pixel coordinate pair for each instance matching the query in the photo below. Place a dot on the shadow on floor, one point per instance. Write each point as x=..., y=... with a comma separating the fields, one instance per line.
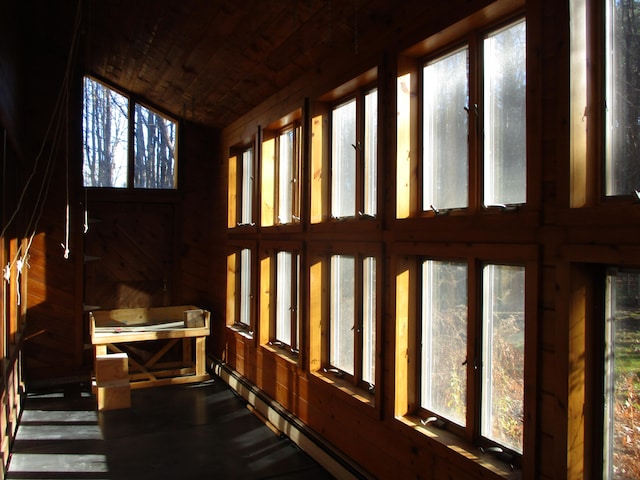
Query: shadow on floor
x=178, y=432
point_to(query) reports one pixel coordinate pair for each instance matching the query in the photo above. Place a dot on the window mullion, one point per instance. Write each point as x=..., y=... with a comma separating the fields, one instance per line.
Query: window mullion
x=474, y=367
x=474, y=125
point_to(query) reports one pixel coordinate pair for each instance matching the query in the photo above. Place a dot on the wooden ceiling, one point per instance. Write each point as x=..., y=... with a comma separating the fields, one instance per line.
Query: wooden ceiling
x=212, y=61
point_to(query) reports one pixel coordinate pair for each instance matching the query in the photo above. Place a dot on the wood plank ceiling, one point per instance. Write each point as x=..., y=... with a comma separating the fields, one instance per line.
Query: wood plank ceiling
x=212, y=61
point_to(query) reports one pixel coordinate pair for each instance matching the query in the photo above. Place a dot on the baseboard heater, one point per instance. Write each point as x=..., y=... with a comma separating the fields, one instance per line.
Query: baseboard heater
x=331, y=459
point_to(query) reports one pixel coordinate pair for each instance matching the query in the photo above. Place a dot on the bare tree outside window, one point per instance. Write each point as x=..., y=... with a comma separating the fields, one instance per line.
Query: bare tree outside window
x=106, y=127
x=106, y=131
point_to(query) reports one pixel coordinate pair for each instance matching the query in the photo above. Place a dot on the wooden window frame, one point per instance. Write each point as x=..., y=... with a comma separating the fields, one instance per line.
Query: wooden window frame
x=406, y=261
x=235, y=187
x=234, y=279
x=270, y=152
x=132, y=103
x=268, y=297
x=409, y=184
x=319, y=270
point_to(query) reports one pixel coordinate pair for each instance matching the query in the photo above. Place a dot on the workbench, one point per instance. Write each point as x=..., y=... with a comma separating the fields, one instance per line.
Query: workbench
x=164, y=345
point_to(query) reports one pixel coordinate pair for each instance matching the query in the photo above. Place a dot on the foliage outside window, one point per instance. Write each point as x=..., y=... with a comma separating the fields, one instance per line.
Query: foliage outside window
x=443, y=383
x=450, y=362
x=353, y=317
x=621, y=412
x=109, y=159
x=502, y=411
x=354, y=157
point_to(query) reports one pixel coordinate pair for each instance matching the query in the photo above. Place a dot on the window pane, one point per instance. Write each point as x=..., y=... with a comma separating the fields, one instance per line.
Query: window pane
x=370, y=152
x=247, y=187
x=106, y=136
x=369, y=320
x=343, y=161
x=155, y=142
x=444, y=339
x=445, y=155
x=623, y=97
x=622, y=376
x=245, y=287
x=286, y=180
x=502, y=415
x=504, y=116
x=341, y=353
x=284, y=297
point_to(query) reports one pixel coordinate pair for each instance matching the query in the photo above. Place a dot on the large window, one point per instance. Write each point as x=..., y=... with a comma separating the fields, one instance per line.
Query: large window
x=110, y=159
x=354, y=156
x=473, y=140
x=621, y=357
x=469, y=348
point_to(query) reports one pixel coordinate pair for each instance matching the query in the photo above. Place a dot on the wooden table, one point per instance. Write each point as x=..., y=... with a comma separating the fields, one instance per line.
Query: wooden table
x=163, y=331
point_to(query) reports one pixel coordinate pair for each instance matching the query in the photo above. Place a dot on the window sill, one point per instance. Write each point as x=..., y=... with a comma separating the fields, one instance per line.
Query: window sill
x=360, y=395
x=463, y=448
x=284, y=353
x=242, y=331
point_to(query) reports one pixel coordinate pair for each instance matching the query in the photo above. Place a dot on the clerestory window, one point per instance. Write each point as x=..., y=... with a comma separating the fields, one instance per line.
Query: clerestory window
x=114, y=158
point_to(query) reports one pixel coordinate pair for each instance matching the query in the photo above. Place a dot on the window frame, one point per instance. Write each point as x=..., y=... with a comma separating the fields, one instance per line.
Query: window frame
x=132, y=111
x=410, y=148
x=234, y=303
x=236, y=187
x=268, y=298
x=586, y=174
x=270, y=206
x=407, y=262
x=318, y=289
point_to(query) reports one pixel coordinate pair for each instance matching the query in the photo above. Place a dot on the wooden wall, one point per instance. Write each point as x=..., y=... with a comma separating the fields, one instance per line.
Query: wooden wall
x=373, y=437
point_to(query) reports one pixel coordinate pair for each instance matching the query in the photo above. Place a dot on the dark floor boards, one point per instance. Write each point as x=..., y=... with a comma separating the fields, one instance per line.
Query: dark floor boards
x=201, y=431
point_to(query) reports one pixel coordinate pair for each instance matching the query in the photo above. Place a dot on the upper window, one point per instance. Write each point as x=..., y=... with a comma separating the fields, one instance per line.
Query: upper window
x=622, y=131
x=280, y=187
x=354, y=157
x=109, y=158
x=473, y=140
x=240, y=188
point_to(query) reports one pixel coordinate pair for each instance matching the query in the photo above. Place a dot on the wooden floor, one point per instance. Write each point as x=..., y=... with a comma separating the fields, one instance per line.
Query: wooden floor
x=177, y=432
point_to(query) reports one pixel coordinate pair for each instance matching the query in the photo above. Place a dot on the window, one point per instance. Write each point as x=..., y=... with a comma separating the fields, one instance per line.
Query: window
x=473, y=140
x=240, y=297
x=443, y=385
x=621, y=409
x=352, y=318
x=354, y=157
x=109, y=158
x=504, y=117
x=286, y=327
x=622, y=97
x=280, y=166
x=465, y=360
x=502, y=409
x=445, y=155
x=240, y=188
